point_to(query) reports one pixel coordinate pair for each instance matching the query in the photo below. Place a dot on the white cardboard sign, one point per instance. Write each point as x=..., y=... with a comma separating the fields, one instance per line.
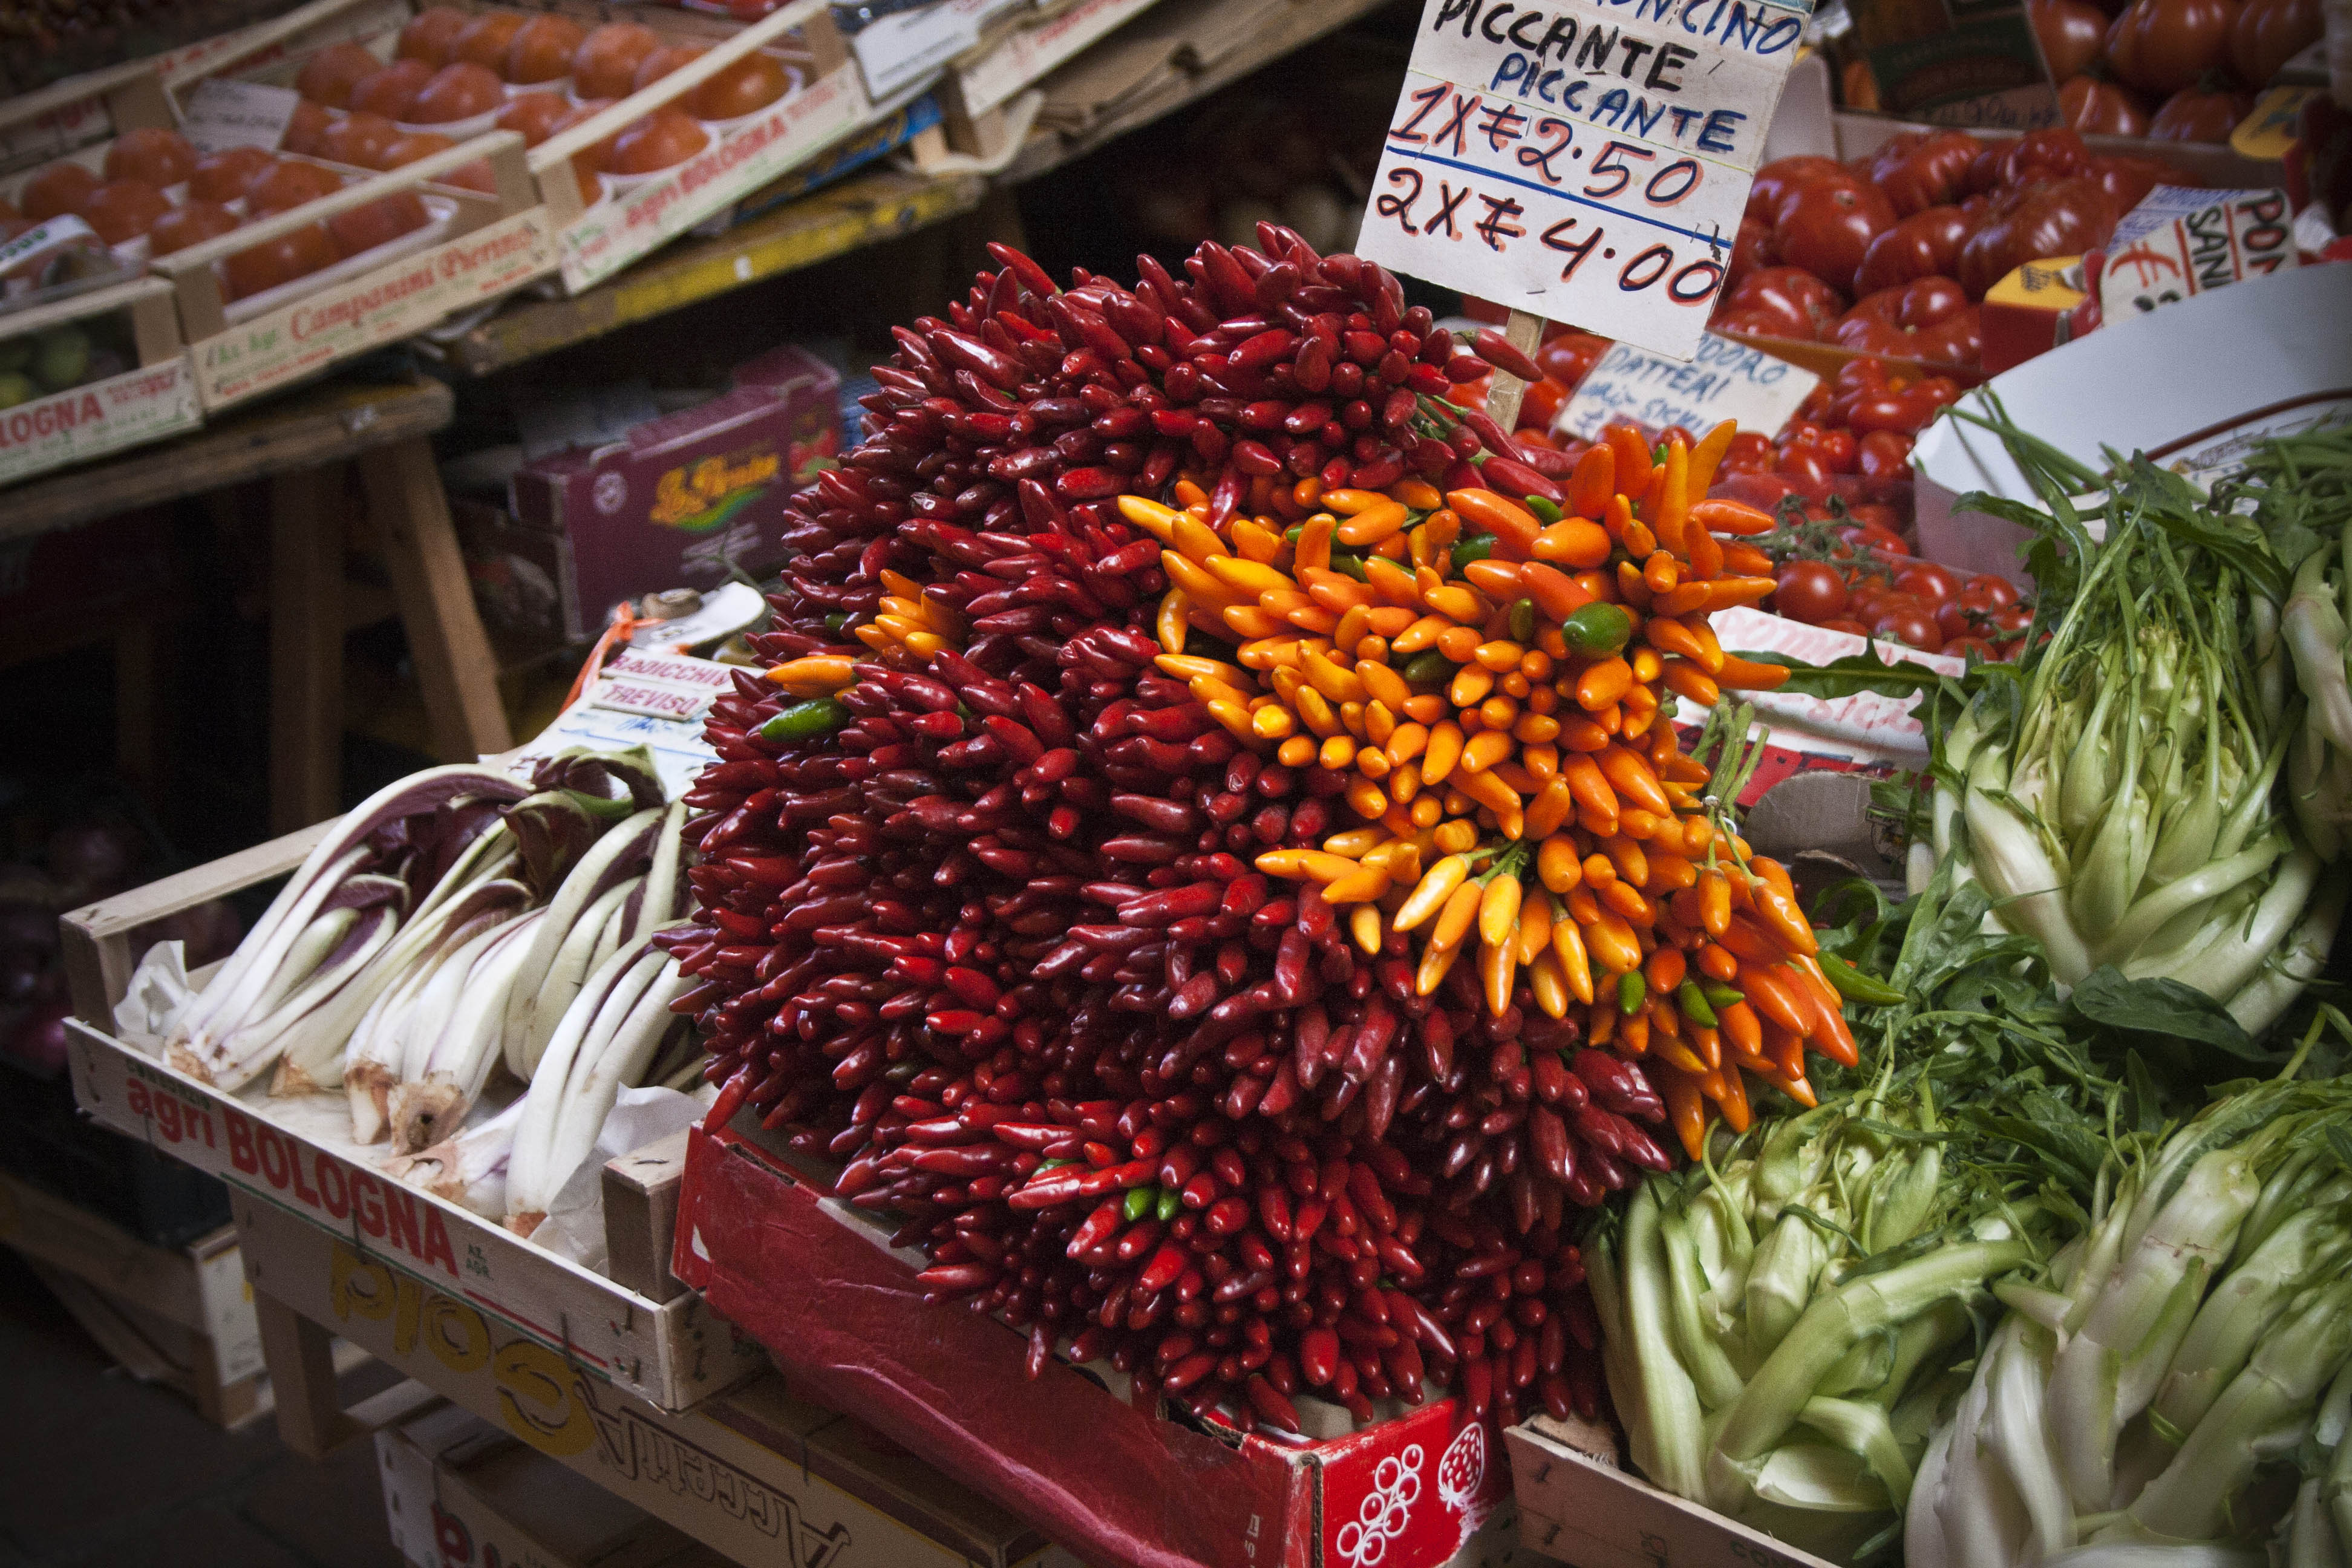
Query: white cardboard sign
x=1722, y=380
x=221, y=114
x=1585, y=160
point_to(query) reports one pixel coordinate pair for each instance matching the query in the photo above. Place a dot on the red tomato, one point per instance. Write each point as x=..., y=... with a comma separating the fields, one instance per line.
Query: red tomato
x=1924, y=245
x=1916, y=169
x=1806, y=471
x=662, y=139
x=2054, y=217
x=2269, y=33
x=1764, y=491
x=159, y=158
x=60, y=188
x=222, y=176
x=287, y=184
x=605, y=63
x=1541, y=403
x=1827, y=228
x=661, y=63
x=1911, y=624
x=391, y=91
x=122, y=210
x=458, y=91
x=2194, y=115
x=279, y=260
x=378, y=222
x=2036, y=155
x=1970, y=647
x=1749, y=453
x=2011, y=624
x=1928, y=581
x=597, y=157
x=1781, y=302
x=1778, y=177
x=1984, y=592
x=2128, y=179
x=306, y=132
x=1852, y=628
x=1872, y=538
x=1930, y=320
x=416, y=144
x=2072, y=33
x=2162, y=46
x=748, y=86
x=1884, y=454
x=1568, y=357
x=1752, y=250
x=534, y=115
x=2101, y=108
x=1809, y=591
x=542, y=49
x=360, y=140
x=191, y=223
x=483, y=41
x=1952, y=621
x=432, y=35
x=328, y=76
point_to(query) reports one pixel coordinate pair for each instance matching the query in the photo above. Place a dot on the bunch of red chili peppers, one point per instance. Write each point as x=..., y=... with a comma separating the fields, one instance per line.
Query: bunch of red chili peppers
x=977, y=913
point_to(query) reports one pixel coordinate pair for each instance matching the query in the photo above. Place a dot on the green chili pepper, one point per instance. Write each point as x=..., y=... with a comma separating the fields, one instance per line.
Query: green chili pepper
x=1598, y=630
x=1523, y=621
x=1054, y=1165
x=805, y=720
x=1719, y=996
x=1290, y=535
x=1477, y=547
x=1631, y=991
x=1353, y=565
x=1428, y=664
x=1693, y=1002
x=838, y=622
x=1546, y=511
x=1140, y=1201
x=1170, y=1204
x=1854, y=985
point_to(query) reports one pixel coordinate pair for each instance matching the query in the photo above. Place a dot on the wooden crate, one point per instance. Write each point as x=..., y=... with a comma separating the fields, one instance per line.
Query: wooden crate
x=156, y=399
x=1015, y=56
x=668, y=1352
x=178, y=1315
x=1577, y=1504
x=493, y=245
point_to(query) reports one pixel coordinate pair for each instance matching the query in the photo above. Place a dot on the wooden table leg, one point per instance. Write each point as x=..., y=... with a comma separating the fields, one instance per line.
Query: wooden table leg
x=311, y=1418
x=305, y=647
x=436, y=605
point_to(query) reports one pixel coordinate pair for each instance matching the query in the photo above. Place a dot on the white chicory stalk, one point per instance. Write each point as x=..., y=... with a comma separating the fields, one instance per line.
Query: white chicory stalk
x=2150, y=795
x=1780, y=1325
x=458, y=1033
x=2173, y=1391
x=469, y=1169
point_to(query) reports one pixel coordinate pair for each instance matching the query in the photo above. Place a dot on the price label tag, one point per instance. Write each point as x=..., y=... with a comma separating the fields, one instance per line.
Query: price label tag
x=1585, y=160
x=223, y=114
x=1724, y=380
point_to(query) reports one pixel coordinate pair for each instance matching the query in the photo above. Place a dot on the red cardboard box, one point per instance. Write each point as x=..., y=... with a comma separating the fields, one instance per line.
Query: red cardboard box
x=1121, y=1486
x=683, y=500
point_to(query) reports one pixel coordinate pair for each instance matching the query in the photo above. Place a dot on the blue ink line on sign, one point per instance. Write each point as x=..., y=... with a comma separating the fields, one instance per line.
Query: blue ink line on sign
x=1713, y=241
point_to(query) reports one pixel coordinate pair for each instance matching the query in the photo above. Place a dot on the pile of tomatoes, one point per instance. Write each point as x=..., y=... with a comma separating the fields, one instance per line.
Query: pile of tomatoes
x=1852, y=436
x=2181, y=70
x=1890, y=253
x=130, y=198
x=536, y=76
x=1845, y=568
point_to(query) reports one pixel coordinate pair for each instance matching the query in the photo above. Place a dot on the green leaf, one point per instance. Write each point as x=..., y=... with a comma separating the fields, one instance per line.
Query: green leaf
x=2164, y=1007
x=1857, y=673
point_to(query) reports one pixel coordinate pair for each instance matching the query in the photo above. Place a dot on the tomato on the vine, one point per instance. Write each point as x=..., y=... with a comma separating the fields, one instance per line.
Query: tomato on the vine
x=1884, y=454
x=1962, y=646
x=1809, y=591
x=1936, y=585
x=1984, y=592
x=1910, y=624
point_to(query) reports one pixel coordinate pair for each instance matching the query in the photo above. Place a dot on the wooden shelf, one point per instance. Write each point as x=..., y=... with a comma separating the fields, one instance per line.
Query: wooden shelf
x=1174, y=54
x=817, y=227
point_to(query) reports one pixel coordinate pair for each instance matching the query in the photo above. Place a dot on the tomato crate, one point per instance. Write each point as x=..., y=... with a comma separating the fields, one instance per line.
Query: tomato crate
x=1107, y=1475
x=756, y=102
x=93, y=373
x=1577, y=1504
x=293, y=1156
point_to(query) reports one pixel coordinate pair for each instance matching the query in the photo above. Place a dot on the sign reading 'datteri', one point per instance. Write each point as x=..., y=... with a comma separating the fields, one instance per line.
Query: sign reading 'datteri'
x=1585, y=160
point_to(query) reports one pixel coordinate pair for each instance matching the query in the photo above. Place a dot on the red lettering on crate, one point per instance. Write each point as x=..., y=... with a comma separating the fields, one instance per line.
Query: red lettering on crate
x=277, y=1166
x=302, y=1189
x=40, y=420
x=400, y=1215
x=367, y=1199
x=333, y=1189
x=437, y=1243
x=240, y=1143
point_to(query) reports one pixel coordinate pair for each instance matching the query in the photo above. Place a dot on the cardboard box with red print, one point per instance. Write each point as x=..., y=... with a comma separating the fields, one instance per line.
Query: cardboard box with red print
x=1115, y=1479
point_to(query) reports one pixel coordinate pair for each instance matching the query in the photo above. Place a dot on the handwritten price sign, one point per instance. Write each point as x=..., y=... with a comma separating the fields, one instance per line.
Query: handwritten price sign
x=1586, y=162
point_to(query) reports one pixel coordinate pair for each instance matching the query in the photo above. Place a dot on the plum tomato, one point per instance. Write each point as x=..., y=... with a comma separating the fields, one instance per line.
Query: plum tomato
x=432, y=35
x=605, y=63
x=122, y=210
x=191, y=223
x=458, y=91
x=328, y=76
x=159, y=157
x=391, y=91
x=377, y=222
x=663, y=138
x=748, y=86
x=484, y=40
x=281, y=260
x=542, y=49
x=222, y=176
x=285, y=185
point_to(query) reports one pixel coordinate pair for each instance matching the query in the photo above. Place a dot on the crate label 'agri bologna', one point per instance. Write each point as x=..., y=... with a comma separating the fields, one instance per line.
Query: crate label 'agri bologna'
x=1587, y=160
x=143, y=404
